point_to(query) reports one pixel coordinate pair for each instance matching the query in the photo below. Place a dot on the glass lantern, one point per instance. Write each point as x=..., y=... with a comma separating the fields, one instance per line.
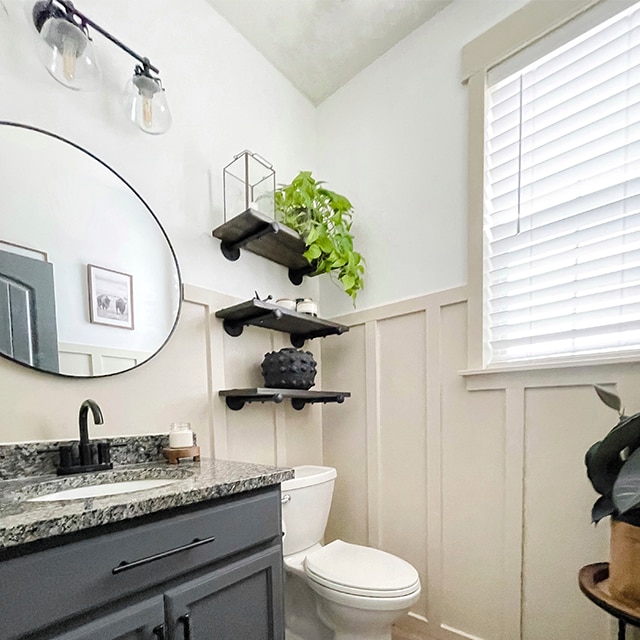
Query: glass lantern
x=249, y=182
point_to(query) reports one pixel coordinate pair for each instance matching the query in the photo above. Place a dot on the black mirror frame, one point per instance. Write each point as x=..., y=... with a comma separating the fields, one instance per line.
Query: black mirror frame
x=164, y=233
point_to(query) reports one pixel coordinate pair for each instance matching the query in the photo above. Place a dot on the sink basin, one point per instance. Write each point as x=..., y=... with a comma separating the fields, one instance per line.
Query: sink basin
x=107, y=489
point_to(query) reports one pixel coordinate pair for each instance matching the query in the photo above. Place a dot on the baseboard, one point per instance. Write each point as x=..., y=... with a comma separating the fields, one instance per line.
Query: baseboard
x=411, y=627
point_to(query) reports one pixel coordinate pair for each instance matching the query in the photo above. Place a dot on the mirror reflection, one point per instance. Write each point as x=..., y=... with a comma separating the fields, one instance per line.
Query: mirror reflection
x=89, y=283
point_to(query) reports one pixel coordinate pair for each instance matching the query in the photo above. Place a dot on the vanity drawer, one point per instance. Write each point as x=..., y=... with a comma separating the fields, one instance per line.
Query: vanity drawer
x=52, y=585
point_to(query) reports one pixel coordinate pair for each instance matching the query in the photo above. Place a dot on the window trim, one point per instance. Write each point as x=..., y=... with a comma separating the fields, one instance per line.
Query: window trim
x=516, y=32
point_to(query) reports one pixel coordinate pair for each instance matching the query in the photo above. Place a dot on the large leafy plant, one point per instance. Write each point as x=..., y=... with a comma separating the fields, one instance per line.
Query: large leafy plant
x=323, y=218
x=613, y=466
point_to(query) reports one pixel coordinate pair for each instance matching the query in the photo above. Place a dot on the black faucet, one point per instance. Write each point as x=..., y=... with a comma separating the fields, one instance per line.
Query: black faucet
x=87, y=456
x=82, y=419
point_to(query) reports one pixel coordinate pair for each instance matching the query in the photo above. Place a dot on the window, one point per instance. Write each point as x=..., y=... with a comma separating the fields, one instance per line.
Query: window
x=561, y=225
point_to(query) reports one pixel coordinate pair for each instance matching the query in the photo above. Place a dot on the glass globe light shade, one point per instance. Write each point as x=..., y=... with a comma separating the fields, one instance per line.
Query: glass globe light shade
x=67, y=53
x=146, y=103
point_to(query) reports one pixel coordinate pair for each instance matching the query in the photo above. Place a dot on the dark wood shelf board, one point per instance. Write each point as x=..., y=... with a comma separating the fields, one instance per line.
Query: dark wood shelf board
x=260, y=313
x=259, y=234
x=236, y=398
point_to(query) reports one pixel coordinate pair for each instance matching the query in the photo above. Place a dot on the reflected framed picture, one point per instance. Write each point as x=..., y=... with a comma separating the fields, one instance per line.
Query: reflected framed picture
x=110, y=297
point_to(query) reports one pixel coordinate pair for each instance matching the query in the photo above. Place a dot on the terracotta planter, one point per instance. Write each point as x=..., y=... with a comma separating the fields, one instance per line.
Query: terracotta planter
x=624, y=563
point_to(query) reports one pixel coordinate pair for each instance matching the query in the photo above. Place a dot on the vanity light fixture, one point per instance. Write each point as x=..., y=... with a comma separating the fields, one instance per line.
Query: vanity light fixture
x=66, y=49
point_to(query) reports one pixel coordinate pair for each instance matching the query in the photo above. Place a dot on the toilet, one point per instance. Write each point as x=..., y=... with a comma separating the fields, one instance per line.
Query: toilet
x=338, y=591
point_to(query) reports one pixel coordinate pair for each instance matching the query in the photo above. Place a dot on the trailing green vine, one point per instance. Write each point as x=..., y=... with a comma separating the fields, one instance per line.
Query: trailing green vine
x=323, y=218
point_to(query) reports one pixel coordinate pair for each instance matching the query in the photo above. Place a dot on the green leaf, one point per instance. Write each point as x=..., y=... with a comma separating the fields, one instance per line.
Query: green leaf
x=313, y=252
x=348, y=282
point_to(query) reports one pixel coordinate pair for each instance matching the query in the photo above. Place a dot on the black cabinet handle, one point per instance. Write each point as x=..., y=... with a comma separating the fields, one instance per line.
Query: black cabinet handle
x=160, y=632
x=186, y=621
x=125, y=565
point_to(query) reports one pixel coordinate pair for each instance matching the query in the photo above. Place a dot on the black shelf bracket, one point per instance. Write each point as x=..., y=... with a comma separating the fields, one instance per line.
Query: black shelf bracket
x=296, y=276
x=231, y=250
x=235, y=327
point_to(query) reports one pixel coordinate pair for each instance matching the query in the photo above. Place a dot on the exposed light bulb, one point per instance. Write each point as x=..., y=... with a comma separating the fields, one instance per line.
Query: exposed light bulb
x=69, y=54
x=147, y=111
x=146, y=102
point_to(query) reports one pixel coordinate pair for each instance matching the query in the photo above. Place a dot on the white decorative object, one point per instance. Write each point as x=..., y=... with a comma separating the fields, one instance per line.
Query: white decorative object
x=180, y=435
x=286, y=303
x=308, y=306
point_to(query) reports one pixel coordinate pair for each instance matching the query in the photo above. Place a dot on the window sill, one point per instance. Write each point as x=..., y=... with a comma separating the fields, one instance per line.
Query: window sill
x=577, y=371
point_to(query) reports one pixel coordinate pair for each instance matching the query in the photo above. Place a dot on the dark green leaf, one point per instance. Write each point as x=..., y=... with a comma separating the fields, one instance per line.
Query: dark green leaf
x=604, y=461
x=602, y=473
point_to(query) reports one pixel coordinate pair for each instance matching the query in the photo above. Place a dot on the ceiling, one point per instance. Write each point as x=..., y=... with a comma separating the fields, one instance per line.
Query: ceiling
x=319, y=45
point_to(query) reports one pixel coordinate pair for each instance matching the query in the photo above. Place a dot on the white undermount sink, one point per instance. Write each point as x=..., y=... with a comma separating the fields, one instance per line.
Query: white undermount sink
x=98, y=490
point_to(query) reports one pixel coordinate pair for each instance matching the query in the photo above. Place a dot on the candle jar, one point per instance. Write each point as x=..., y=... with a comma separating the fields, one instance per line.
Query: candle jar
x=306, y=305
x=180, y=435
x=286, y=303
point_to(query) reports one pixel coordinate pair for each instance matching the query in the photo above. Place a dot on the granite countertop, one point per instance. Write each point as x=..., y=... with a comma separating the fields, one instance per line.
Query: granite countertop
x=22, y=521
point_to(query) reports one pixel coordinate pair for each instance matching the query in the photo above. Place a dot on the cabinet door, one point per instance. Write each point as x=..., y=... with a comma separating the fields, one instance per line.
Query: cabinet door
x=239, y=601
x=143, y=621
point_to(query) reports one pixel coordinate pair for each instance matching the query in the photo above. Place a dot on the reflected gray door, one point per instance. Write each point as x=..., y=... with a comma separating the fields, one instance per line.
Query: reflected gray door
x=28, y=330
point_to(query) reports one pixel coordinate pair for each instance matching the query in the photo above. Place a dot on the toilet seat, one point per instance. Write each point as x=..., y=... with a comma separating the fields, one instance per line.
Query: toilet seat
x=361, y=571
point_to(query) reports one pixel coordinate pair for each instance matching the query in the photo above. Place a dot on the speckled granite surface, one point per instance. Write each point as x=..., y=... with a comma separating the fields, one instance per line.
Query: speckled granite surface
x=22, y=521
x=26, y=459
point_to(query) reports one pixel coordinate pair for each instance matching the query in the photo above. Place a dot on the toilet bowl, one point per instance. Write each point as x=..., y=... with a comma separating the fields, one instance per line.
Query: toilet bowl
x=339, y=591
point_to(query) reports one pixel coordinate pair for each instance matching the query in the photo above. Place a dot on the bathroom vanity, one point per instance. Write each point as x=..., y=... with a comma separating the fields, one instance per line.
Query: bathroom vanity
x=204, y=561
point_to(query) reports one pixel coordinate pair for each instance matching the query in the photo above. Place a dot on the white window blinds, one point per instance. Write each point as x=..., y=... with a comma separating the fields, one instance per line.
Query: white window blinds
x=562, y=200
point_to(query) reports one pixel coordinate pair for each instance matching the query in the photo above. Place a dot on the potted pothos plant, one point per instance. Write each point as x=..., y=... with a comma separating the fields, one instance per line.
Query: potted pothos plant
x=323, y=218
x=613, y=467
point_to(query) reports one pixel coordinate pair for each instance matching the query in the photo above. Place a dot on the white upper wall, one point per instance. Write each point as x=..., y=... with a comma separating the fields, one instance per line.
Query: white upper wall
x=393, y=140
x=224, y=97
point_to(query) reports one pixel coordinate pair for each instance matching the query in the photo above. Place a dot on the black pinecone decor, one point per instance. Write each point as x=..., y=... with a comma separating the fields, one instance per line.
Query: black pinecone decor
x=289, y=369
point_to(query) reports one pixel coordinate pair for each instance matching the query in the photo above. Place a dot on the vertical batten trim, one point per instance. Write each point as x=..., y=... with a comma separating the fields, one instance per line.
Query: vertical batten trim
x=214, y=342
x=280, y=436
x=434, y=465
x=216, y=380
x=279, y=416
x=513, y=512
x=372, y=380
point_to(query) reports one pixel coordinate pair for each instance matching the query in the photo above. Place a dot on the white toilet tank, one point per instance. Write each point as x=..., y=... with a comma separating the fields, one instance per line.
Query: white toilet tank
x=306, y=501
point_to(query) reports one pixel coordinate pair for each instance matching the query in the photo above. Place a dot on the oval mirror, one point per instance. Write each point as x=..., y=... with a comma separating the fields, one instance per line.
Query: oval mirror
x=89, y=282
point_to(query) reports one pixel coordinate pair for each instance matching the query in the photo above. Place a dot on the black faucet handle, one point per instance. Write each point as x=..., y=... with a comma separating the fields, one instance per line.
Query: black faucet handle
x=104, y=453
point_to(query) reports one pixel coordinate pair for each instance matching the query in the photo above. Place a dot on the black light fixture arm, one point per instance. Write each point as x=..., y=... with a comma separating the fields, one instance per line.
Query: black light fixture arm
x=72, y=11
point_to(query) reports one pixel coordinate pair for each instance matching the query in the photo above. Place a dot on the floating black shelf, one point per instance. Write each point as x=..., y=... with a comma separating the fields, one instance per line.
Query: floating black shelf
x=256, y=232
x=237, y=398
x=259, y=313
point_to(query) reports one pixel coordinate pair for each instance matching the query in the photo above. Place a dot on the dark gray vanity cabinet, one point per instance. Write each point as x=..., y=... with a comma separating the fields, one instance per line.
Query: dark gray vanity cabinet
x=138, y=622
x=236, y=602
x=213, y=570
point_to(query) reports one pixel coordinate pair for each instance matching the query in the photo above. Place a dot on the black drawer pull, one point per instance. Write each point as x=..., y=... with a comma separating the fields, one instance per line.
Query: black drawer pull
x=160, y=632
x=125, y=566
x=186, y=621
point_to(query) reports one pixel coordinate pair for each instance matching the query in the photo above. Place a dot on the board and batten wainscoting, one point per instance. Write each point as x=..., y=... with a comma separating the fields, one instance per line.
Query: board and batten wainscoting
x=477, y=479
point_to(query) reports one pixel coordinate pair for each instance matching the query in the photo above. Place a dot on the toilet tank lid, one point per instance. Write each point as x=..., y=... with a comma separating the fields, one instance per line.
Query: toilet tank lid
x=307, y=475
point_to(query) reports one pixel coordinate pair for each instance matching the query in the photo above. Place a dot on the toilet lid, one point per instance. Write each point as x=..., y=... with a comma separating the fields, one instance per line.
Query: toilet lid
x=358, y=570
